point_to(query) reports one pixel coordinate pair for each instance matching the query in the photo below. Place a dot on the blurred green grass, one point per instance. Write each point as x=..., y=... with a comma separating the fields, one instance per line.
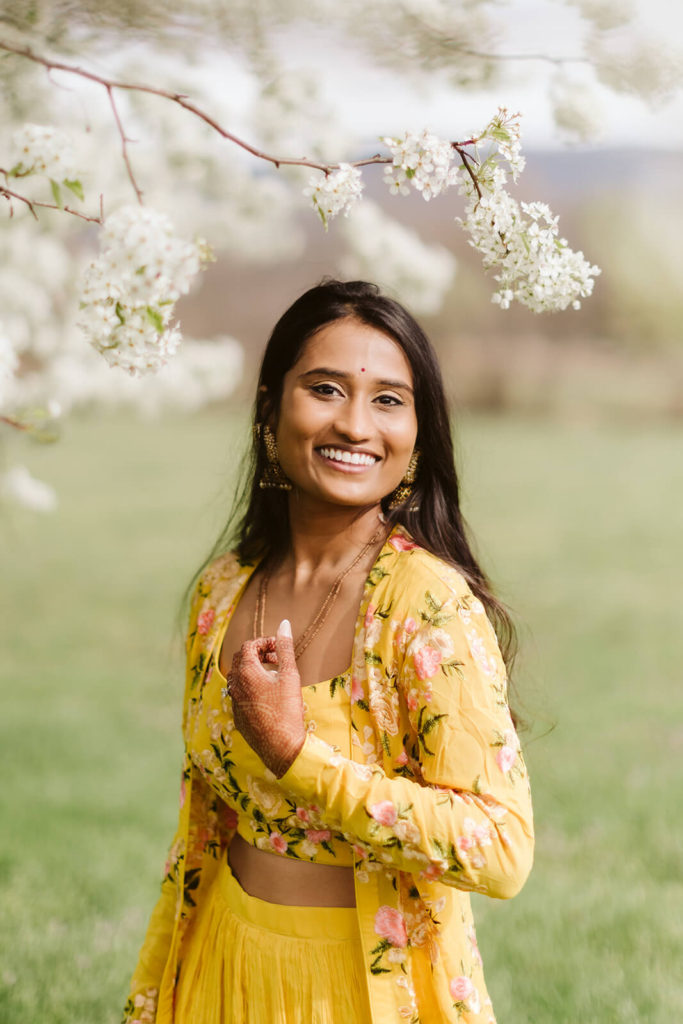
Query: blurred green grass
x=579, y=525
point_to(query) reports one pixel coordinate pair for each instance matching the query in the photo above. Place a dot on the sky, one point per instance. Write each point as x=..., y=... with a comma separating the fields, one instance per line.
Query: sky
x=373, y=98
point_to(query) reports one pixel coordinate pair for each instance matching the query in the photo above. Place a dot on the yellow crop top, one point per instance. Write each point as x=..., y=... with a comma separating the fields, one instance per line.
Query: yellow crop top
x=264, y=815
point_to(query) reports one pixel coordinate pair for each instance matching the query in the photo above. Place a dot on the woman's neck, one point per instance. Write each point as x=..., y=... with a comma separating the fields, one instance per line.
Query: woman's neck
x=323, y=541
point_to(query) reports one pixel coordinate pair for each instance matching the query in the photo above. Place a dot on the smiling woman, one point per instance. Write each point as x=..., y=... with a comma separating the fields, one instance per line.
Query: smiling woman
x=351, y=766
x=347, y=425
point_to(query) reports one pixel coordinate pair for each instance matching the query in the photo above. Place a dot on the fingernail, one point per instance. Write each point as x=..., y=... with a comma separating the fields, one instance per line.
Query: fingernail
x=285, y=628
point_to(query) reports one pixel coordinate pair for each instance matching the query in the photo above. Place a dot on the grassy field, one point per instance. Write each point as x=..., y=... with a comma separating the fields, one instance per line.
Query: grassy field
x=580, y=525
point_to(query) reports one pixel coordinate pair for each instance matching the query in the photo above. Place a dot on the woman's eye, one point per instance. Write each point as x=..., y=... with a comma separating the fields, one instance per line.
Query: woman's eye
x=388, y=400
x=326, y=390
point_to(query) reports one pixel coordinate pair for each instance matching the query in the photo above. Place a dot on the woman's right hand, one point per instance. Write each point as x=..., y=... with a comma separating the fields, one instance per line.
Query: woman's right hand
x=267, y=705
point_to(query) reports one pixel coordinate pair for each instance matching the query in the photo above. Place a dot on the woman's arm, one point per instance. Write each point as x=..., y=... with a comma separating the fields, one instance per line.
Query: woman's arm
x=467, y=820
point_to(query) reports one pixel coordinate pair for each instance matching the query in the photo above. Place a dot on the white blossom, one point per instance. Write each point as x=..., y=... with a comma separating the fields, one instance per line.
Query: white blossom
x=129, y=291
x=648, y=67
x=420, y=160
x=40, y=149
x=385, y=251
x=19, y=486
x=335, y=192
x=605, y=14
x=577, y=110
x=504, y=132
x=536, y=267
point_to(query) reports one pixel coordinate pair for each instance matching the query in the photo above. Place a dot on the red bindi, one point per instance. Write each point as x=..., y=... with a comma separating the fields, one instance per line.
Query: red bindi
x=362, y=369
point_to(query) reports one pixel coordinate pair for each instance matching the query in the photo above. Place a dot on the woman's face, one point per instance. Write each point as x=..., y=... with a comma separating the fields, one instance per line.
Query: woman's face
x=347, y=426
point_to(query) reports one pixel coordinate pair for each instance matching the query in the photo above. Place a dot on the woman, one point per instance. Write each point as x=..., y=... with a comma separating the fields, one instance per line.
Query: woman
x=330, y=831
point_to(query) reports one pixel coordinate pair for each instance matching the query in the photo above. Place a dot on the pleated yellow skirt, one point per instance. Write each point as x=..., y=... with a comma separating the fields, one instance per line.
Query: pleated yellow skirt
x=247, y=961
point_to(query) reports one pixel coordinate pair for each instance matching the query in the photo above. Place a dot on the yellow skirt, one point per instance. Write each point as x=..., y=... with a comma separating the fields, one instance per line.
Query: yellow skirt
x=247, y=961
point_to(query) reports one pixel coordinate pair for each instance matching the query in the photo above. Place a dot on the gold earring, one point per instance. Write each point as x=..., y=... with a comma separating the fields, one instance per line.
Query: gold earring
x=272, y=477
x=405, y=489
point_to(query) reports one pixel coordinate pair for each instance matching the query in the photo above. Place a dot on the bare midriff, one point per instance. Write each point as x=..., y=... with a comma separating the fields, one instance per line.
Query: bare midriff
x=276, y=879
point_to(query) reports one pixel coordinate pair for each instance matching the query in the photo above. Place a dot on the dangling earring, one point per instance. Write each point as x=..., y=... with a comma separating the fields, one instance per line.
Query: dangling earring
x=405, y=488
x=273, y=476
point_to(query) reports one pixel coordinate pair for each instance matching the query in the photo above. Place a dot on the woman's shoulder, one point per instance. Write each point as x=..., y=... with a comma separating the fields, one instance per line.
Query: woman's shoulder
x=220, y=573
x=416, y=569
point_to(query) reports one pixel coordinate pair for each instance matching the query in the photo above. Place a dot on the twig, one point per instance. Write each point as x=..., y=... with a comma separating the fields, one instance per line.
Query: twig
x=124, y=143
x=13, y=423
x=466, y=158
x=520, y=56
x=32, y=203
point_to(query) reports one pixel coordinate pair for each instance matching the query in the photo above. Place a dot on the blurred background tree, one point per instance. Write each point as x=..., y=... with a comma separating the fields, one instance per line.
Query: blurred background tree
x=323, y=80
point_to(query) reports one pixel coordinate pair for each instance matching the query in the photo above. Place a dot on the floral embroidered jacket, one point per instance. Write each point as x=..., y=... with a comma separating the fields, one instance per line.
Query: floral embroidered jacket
x=434, y=801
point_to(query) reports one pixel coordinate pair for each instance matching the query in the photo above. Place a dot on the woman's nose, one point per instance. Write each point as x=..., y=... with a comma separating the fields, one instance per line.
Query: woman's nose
x=354, y=420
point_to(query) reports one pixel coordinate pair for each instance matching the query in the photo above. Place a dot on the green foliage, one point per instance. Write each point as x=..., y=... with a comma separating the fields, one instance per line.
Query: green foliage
x=580, y=524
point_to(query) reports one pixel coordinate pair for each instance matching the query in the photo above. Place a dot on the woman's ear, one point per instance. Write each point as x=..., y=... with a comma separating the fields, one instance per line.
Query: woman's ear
x=265, y=411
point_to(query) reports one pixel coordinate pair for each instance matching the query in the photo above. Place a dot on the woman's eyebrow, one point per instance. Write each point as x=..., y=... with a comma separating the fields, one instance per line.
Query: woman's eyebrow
x=327, y=371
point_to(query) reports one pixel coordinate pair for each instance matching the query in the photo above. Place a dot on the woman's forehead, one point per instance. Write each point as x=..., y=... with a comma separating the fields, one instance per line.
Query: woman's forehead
x=351, y=346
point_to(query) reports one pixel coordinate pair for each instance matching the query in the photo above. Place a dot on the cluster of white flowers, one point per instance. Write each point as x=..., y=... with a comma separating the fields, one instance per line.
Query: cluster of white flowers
x=8, y=365
x=537, y=268
x=420, y=160
x=385, y=251
x=40, y=149
x=504, y=133
x=129, y=291
x=336, y=192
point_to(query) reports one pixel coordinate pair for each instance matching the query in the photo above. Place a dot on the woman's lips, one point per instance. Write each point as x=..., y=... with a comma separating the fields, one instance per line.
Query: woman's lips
x=342, y=458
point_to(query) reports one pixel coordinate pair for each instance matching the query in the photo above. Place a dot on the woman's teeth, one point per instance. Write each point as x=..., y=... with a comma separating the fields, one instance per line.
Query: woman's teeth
x=354, y=458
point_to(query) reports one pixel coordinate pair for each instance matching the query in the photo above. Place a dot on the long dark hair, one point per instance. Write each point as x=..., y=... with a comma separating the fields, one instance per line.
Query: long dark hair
x=259, y=526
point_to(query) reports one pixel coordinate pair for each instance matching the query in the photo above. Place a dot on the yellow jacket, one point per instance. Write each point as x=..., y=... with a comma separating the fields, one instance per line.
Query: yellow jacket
x=434, y=802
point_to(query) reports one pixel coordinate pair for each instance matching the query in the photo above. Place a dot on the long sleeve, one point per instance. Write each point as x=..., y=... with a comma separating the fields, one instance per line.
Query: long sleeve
x=458, y=808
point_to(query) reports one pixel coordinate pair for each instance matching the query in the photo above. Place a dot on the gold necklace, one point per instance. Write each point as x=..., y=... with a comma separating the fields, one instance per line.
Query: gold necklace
x=316, y=624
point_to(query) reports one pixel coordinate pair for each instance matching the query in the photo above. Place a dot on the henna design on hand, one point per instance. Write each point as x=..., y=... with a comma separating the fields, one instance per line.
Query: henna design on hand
x=267, y=705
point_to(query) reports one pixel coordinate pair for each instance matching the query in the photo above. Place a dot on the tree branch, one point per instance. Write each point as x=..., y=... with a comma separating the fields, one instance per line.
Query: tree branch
x=32, y=203
x=182, y=101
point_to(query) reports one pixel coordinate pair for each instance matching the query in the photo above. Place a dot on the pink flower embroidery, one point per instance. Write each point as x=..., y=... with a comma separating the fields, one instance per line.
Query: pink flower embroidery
x=356, y=689
x=410, y=625
x=205, y=621
x=278, y=842
x=401, y=759
x=465, y=843
x=427, y=661
x=384, y=812
x=389, y=924
x=433, y=872
x=460, y=988
x=400, y=543
x=322, y=835
x=302, y=814
x=412, y=701
x=506, y=757
x=359, y=852
x=182, y=793
x=369, y=615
